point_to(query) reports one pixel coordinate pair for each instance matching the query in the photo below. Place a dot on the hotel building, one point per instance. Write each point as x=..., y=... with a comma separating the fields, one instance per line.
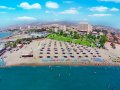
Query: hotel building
x=84, y=28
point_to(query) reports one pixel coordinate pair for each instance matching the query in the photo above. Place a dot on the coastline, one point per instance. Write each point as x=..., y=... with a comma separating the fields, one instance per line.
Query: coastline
x=62, y=64
x=7, y=36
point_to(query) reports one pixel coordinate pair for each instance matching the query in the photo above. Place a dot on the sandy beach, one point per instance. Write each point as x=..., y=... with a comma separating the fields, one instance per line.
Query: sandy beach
x=81, y=55
x=14, y=37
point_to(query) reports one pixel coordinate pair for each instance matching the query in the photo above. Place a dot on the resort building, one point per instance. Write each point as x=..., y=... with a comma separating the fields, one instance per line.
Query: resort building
x=63, y=27
x=84, y=28
x=35, y=27
x=101, y=33
x=95, y=33
x=24, y=28
x=39, y=35
x=56, y=27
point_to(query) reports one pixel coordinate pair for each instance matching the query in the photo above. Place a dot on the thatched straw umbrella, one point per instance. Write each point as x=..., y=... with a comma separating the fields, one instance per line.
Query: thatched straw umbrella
x=40, y=56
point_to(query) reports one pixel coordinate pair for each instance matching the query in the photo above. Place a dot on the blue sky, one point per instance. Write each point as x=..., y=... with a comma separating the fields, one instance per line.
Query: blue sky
x=104, y=12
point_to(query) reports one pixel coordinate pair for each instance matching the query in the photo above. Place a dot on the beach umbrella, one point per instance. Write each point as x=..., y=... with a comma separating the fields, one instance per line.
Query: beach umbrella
x=72, y=56
x=83, y=53
x=94, y=55
x=91, y=53
x=80, y=56
x=65, y=56
x=99, y=55
x=48, y=56
x=86, y=55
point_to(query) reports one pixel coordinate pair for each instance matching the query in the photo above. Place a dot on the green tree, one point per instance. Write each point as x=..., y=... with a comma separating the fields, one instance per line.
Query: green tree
x=61, y=32
x=103, y=39
x=71, y=32
x=14, y=45
x=18, y=41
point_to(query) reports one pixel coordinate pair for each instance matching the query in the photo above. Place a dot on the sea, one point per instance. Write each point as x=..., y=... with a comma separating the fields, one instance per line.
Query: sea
x=4, y=34
x=60, y=78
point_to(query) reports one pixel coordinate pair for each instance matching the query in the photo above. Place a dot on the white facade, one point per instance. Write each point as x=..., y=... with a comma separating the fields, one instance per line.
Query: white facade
x=84, y=27
x=64, y=28
x=35, y=35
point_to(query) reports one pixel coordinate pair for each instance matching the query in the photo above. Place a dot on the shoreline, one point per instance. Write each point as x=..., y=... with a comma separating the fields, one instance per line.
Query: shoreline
x=6, y=37
x=62, y=64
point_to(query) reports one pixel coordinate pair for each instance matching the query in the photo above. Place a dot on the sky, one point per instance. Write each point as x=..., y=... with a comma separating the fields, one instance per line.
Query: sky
x=101, y=12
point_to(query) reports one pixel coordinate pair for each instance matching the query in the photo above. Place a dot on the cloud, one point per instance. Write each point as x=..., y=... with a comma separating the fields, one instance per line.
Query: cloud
x=99, y=9
x=103, y=9
x=70, y=11
x=67, y=11
x=26, y=18
x=51, y=4
x=26, y=5
x=5, y=7
x=99, y=15
x=114, y=9
x=115, y=1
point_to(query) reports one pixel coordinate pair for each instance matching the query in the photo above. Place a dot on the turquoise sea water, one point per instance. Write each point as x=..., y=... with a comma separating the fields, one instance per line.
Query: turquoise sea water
x=60, y=78
x=4, y=34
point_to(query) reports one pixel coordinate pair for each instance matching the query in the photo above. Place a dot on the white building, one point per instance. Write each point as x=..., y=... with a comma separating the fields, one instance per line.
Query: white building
x=57, y=27
x=84, y=27
x=39, y=35
x=62, y=27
